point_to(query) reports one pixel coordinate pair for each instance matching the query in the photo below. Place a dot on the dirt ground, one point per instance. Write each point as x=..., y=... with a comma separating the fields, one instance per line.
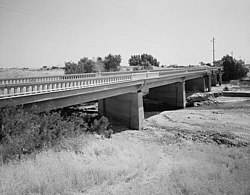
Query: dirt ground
x=200, y=150
x=19, y=72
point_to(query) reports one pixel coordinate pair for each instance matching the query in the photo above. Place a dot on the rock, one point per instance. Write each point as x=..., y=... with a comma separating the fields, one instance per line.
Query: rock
x=197, y=104
x=199, y=97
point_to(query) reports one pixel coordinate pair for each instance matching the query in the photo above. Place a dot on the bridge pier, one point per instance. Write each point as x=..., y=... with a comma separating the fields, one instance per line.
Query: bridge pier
x=208, y=82
x=219, y=78
x=127, y=108
x=214, y=79
x=197, y=84
x=172, y=94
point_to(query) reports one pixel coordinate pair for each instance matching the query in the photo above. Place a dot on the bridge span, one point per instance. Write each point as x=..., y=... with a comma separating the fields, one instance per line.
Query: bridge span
x=119, y=94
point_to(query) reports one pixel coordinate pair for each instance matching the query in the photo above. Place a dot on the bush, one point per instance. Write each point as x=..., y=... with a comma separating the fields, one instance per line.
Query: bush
x=226, y=88
x=233, y=69
x=26, y=132
x=101, y=126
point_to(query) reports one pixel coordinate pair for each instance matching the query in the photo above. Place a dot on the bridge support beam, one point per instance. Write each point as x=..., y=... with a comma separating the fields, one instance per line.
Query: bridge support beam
x=172, y=95
x=196, y=85
x=126, y=108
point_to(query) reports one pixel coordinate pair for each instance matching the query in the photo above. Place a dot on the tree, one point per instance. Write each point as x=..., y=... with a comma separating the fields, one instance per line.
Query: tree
x=99, y=64
x=112, y=62
x=71, y=68
x=135, y=60
x=143, y=62
x=86, y=65
x=233, y=69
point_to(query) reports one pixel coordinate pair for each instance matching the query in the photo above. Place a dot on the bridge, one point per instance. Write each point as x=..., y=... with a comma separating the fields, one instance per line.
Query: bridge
x=119, y=94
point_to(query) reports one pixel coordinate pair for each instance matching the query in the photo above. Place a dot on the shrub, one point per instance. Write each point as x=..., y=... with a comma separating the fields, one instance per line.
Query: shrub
x=226, y=88
x=233, y=69
x=27, y=132
x=101, y=126
x=24, y=133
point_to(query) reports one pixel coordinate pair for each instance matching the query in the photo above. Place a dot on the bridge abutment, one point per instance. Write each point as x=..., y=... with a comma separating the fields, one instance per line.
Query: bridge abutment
x=172, y=94
x=126, y=108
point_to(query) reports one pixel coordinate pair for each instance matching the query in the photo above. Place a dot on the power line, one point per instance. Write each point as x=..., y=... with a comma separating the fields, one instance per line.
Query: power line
x=37, y=14
x=37, y=37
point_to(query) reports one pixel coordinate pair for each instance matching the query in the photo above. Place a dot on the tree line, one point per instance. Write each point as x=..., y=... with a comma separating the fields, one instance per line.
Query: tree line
x=233, y=69
x=110, y=63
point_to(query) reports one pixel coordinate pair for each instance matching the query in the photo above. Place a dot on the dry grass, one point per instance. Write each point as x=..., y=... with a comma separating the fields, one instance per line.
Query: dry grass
x=125, y=165
x=17, y=72
x=82, y=167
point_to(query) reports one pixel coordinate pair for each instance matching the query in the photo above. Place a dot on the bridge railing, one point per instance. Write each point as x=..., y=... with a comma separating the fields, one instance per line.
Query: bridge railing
x=29, y=85
x=17, y=89
x=46, y=78
x=91, y=75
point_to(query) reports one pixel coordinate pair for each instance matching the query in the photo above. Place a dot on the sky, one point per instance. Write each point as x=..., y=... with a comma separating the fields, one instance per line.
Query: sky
x=36, y=33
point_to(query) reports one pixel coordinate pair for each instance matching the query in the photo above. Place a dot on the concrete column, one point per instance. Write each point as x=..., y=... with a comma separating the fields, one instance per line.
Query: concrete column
x=220, y=78
x=208, y=82
x=196, y=85
x=214, y=79
x=172, y=95
x=127, y=109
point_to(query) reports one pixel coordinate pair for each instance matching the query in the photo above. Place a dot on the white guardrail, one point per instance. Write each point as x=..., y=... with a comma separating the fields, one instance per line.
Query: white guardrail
x=12, y=87
x=17, y=89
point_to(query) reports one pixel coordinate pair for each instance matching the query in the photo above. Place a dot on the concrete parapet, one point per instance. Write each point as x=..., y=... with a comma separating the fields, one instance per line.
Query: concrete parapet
x=172, y=94
x=127, y=108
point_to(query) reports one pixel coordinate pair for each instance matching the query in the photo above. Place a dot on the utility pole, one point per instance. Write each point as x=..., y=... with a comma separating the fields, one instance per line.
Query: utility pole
x=213, y=50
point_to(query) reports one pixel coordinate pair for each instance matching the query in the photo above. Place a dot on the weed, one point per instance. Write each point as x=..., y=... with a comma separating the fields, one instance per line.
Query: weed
x=101, y=126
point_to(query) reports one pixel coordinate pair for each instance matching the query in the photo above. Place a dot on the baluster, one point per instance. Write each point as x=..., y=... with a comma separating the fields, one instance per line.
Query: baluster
x=38, y=87
x=43, y=87
x=9, y=91
x=15, y=90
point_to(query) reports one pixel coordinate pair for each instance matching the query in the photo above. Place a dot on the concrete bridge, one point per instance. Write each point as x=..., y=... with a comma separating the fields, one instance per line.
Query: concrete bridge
x=119, y=94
